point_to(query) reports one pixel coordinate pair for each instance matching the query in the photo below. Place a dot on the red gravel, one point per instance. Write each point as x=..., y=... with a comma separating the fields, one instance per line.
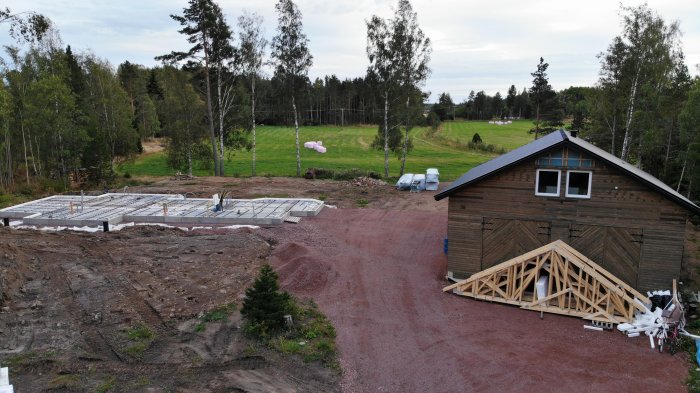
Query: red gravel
x=378, y=275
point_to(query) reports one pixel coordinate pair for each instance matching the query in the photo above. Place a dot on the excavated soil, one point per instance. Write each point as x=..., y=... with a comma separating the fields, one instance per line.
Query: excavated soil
x=376, y=272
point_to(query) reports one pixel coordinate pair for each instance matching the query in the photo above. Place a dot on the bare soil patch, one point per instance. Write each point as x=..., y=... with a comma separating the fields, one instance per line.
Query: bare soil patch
x=71, y=299
x=153, y=145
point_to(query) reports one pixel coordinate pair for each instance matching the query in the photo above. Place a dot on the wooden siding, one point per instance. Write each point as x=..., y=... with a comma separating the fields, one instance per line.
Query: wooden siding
x=620, y=209
x=505, y=239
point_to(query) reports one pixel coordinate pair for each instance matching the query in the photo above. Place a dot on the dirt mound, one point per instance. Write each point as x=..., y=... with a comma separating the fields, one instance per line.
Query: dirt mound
x=289, y=251
x=303, y=275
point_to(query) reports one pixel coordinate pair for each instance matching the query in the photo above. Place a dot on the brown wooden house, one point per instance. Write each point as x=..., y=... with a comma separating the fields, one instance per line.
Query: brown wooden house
x=562, y=187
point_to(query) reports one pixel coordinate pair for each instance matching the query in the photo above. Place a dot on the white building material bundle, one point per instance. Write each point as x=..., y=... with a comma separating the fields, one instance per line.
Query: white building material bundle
x=315, y=145
x=418, y=183
x=405, y=181
x=432, y=179
x=5, y=386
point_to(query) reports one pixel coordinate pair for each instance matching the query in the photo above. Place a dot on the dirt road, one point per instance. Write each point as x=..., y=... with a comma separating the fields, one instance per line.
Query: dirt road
x=378, y=275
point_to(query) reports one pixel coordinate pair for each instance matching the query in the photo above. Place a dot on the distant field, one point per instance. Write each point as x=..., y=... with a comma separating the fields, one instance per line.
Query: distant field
x=507, y=136
x=350, y=147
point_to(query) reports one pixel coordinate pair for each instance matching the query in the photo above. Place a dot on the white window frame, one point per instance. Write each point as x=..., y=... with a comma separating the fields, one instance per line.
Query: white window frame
x=537, y=183
x=590, y=183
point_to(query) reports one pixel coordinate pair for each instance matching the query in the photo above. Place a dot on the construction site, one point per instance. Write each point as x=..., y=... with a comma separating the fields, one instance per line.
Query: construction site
x=377, y=271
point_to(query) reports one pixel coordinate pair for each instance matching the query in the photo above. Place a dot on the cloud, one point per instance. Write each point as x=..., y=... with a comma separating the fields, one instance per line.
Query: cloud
x=476, y=46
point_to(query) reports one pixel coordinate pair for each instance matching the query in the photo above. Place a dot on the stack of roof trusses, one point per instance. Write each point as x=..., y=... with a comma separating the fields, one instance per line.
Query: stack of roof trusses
x=573, y=285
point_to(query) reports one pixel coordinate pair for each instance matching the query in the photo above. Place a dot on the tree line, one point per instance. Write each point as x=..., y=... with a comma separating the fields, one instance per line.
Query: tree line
x=64, y=114
x=644, y=109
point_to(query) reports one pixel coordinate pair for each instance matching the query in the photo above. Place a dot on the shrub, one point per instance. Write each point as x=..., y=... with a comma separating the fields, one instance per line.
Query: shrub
x=343, y=174
x=476, y=138
x=264, y=306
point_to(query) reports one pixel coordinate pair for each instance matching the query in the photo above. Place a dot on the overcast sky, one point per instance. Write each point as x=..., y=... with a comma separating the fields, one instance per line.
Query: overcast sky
x=477, y=45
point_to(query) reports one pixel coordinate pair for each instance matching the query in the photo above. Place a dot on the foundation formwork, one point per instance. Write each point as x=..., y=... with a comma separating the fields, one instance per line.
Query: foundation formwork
x=175, y=209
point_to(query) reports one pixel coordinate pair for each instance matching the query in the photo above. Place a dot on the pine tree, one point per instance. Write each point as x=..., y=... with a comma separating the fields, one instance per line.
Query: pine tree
x=264, y=305
x=202, y=22
x=548, y=112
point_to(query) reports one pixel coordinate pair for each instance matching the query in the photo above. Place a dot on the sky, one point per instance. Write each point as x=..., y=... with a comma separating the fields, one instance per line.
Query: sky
x=477, y=45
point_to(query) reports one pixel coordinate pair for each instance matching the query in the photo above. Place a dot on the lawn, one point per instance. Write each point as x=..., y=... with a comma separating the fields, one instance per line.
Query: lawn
x=507, y=136
x=350, y=147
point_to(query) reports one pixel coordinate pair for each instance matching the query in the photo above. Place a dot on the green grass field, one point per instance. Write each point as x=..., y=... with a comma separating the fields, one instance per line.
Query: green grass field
x=350, y=147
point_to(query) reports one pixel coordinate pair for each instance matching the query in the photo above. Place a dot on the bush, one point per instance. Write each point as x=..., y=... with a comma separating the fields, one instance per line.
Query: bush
x=343, y=174
x=476, y=138
x=486, y=148
x=264, y=306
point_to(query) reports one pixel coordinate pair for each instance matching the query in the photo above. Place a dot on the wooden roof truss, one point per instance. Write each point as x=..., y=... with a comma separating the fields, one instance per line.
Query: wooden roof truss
x=576, y=285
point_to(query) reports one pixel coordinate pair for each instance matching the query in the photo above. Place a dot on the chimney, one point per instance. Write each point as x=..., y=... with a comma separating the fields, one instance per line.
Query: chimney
x=573, y=133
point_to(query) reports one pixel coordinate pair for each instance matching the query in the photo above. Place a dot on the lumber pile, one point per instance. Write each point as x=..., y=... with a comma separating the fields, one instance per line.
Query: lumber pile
x=556, y=278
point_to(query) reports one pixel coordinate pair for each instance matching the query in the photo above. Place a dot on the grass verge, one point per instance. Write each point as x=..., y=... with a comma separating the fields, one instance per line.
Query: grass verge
x=312, y=336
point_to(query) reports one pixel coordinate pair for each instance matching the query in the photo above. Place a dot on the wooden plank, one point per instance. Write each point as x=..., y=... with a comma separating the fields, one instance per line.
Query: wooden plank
x=552, y=296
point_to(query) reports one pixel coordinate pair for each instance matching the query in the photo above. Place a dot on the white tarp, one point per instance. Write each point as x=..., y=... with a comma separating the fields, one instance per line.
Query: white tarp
x=315, y=145
x=431, y=179
x=405, y=181
x=418, y=183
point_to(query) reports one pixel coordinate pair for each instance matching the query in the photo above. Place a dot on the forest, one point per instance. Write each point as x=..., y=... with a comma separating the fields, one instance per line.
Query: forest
x=70, y=118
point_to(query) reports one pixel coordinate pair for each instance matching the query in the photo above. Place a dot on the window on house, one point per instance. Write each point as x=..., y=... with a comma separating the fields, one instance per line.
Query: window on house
x=578, y=160
x=547, y=183
x=565, y=158
x=578, y=184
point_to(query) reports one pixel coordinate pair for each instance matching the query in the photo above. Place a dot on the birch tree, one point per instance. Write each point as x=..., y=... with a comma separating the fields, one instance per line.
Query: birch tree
x=637, y=63
x=381, y=69
x=6, y=178
x=291, y=57
x=411, y=53
x=251, y=54
x=28, y=26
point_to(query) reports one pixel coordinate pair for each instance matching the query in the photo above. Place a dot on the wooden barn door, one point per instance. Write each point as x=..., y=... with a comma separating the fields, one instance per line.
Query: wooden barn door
x=616, y=249
x=505, y=239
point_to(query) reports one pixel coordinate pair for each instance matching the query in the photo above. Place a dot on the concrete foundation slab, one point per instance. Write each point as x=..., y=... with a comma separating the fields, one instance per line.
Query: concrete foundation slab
x=69, y=210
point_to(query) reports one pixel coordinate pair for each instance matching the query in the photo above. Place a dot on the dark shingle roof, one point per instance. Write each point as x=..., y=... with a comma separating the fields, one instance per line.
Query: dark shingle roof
x=549, y=142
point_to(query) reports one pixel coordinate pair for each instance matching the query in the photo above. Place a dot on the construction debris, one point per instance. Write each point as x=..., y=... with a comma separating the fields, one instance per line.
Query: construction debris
x=556, y=278
x=366, y=181
x=662, y=320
